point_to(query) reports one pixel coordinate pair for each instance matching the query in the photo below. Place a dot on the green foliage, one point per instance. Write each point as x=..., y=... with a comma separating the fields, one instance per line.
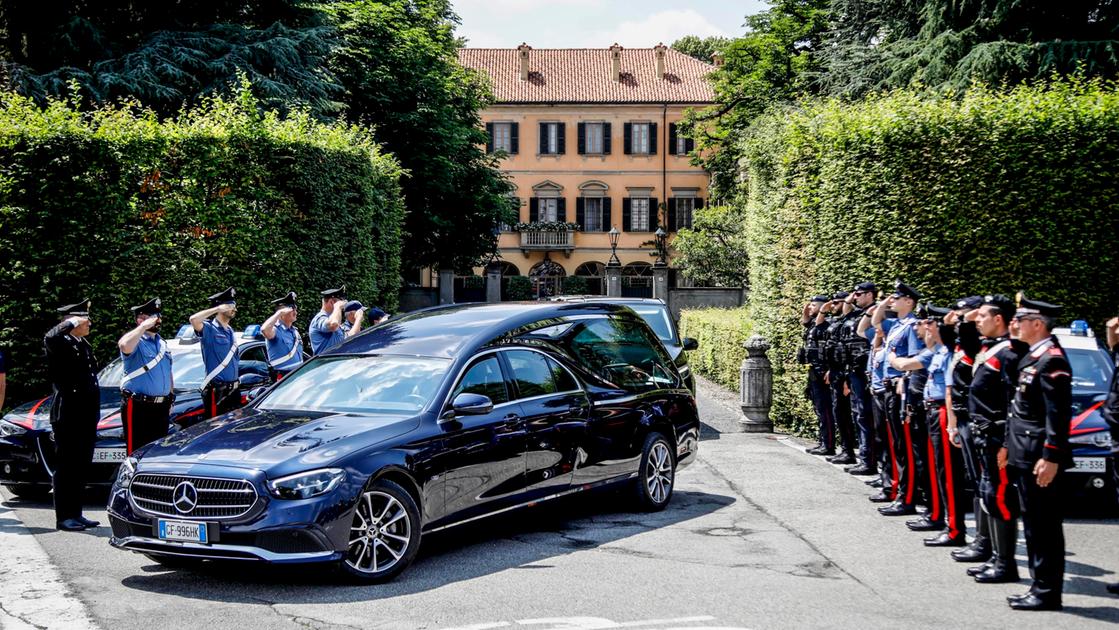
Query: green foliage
x=575, y=285
x=116, y=205
x=720, y=333
x=992, y=192
x=398, y=62
x=519, y=289
x=713, y=251
x=702, y=48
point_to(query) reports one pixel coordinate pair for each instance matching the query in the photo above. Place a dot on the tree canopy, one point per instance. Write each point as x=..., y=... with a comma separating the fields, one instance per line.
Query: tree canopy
x=702, y=48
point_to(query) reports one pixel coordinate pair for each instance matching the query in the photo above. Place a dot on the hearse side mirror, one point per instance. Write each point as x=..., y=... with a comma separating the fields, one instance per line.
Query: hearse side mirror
x=468, y=405
x=254, y=393
x=690, y=343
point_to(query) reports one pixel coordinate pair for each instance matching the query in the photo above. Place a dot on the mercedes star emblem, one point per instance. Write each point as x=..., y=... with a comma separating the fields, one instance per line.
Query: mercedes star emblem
x=185, y=497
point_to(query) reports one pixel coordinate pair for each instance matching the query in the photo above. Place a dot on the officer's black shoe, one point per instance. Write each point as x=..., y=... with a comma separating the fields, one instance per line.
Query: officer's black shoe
x=874, y=483
x=818, y=450
x=923, y=524
x=881, y=497
x=87, y=522
x=978, y=551
x=1113, y=588
x=1031, y=601
x=71, y=525
x=945, y=539
x=843, y=459
x=861, y=470
x=979, y=568
x=897, y=509
x=811, y=450
x=998, y=575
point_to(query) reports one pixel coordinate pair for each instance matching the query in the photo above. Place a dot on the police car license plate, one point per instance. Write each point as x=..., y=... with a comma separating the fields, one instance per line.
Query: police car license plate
x=1089, y=465
x=183, y=530
x=110, y=455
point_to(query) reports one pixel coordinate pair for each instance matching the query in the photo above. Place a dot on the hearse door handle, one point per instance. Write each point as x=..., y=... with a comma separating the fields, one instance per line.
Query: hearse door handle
x=513, y=421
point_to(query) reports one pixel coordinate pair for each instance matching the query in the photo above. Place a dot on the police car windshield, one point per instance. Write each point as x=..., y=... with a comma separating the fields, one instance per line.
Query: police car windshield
x=657, y=318
x=362, y=384
x=1090, y=368
x=186, y=369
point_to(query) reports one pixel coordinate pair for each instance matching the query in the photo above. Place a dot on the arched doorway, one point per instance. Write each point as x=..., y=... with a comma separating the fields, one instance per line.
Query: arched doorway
x=547, y=278
x=508, y=271
x=637, y=280
x=593, y=273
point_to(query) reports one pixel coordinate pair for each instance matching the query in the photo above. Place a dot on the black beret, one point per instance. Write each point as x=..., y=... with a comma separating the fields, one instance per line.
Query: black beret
x=902, y=289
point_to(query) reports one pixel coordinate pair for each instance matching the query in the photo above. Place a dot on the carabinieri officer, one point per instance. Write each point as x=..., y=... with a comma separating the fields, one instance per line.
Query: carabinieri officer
x=219, y=354
x=284, y=344
x=74, y=412
x=326, y=326
x=1037, y=450
x=147, y=390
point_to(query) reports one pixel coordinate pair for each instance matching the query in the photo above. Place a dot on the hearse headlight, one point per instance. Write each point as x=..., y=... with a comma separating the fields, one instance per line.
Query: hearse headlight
x=126, y=472
x=115, y=433
x=1101, y=439
x=305, y=485
x=10, y=428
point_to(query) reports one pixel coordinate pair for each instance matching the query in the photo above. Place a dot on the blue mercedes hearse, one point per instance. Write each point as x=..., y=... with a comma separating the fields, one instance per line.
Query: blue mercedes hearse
x=436, y=418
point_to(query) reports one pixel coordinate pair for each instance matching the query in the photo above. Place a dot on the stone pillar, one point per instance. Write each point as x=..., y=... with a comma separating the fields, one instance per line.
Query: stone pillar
x=446, y=286
x=660, y=283
x=755, y=387
x=493, y=282
x=613, y=281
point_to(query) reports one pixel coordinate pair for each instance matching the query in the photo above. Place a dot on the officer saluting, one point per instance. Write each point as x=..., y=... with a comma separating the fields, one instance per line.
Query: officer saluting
x=147, y=388
x=1037, y=439
x=326, y=327
x=219, y=353
x=74, y=412
x=284, y=344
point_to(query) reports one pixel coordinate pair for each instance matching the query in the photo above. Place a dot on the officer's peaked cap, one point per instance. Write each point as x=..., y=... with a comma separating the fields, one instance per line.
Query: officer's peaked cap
x=1036, y=307
x=287, y=300
x=902, y=289
x=866, y=286
x=820, y=298
x=153, y=306
x=1001, y=303
x=339, y=293
x=78, y=309
x=969, y=303
x=225, y=297
x=840, y=295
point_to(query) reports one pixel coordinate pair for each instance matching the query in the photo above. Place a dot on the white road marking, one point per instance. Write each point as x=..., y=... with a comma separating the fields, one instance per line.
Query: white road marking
x=599, y=623
x=33, y=594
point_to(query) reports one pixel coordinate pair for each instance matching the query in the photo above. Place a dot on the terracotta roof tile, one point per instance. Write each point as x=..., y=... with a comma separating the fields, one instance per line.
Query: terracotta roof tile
x=583, y=75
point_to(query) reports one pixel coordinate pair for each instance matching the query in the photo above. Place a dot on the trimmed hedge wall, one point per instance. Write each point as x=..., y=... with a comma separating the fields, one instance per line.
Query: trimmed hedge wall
x=994, y=192
x=118, y=206
x=720, y=333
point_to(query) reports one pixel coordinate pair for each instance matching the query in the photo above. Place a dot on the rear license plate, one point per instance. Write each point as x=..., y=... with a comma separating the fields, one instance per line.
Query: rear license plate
x=1089, y=465
x=183, y=530
x=111, y=455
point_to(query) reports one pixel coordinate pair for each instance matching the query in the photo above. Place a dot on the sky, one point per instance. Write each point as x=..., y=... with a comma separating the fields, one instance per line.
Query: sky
x=598, y=23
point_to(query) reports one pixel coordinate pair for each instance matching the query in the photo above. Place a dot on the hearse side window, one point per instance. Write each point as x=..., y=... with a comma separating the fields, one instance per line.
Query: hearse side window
x=624, y=353
x=484, y=377
x=537, y=375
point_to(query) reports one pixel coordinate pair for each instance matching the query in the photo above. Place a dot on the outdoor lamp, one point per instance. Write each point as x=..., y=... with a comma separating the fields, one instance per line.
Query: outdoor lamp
x=661, y=247
x=614, y=233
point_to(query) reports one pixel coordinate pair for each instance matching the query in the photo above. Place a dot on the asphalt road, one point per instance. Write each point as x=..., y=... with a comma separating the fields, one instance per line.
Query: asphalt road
x=759, y=535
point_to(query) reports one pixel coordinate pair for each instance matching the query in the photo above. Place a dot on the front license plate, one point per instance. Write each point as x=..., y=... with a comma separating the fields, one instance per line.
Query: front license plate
x=110, y=455
x=1089, y=465
x=182, y=530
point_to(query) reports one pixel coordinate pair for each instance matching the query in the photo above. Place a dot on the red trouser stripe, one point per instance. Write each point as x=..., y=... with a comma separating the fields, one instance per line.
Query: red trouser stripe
x=950, y=490
x=934, y=483
x=213, y=403
x=1001, y=497
x=909, y=463
x=128, y=423
x=893, y=462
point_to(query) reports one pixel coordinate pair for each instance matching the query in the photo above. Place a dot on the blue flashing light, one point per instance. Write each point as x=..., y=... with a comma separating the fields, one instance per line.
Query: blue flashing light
x=186, y=331
x=252, y=331
x=1079, y=327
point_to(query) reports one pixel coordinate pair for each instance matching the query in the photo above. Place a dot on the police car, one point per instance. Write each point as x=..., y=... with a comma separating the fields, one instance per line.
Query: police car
x=1089, y=435
x=26, y=440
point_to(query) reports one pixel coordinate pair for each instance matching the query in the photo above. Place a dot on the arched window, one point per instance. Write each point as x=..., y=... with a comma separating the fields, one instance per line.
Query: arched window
x=509, y=269
x=637, y=280
x=592, y=275
x=547, y=278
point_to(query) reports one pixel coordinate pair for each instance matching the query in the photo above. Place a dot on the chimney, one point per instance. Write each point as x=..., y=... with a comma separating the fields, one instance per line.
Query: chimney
x=616, y=62
x=662, y=52
x=717, y=59
x=522, y=53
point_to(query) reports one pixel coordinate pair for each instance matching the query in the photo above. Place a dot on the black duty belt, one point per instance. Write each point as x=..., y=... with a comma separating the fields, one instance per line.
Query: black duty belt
x=155, y=400
x=222, y=385
x=934, y=404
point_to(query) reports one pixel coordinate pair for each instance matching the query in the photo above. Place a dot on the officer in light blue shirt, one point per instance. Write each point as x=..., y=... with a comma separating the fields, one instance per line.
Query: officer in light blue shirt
x=283, y=341
x=326, y=326
x=220, y=387
x=147, y=387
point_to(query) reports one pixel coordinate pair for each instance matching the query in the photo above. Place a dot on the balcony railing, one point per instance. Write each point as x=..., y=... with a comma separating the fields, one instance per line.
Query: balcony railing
x=548, y=240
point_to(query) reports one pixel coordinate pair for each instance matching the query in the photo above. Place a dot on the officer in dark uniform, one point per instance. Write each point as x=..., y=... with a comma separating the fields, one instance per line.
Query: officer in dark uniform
x=283, y=342
x=812, y=355
x=994, y=377
x=147, y=389
x=220, y=386
x=74, y=412
x=1111, y=411
x=875, y=333
x=1037, y=450
x=958, y=382
x=856, y=349
x=837, y=362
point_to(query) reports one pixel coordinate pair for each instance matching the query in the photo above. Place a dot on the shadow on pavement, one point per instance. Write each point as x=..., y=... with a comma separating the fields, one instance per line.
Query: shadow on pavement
x=521, y=540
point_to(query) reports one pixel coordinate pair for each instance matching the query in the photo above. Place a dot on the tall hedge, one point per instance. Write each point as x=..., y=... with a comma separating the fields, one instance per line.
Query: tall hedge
x=118, y=206
x=994, y=192
x=720, y=333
